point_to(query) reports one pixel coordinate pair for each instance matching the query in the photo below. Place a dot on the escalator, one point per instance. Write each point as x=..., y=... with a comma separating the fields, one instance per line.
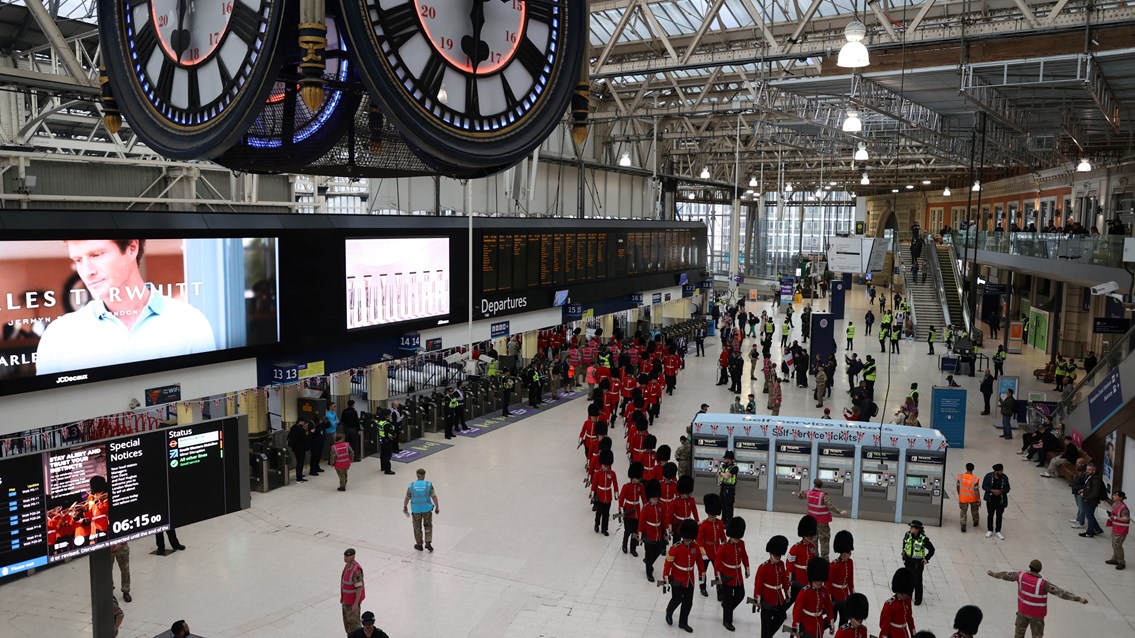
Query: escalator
x=951, y=284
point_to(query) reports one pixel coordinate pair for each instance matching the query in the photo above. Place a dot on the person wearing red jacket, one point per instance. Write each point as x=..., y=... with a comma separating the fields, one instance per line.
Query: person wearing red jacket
x=812, y=612
x=631, y=500
x=841, y=576
x=652, y=527
x=669, y=481
x=802, y=552
x=652, y=469
x=670, y=369
x=681, y=562
x=611, y=395
x=967, y=621
x=730, y=558
x=771, y=587
x=587, y=437
x=627, y=391
x=635, y=440
x=856, y=608
x=605, y=487
x=896, y=620
x=711, y=534
x=683, y=507
x=594, y=464
x=723, y=364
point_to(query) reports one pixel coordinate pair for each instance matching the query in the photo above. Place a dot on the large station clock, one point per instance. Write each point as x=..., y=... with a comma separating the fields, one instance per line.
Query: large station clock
x=190, y=75
x=472, y=83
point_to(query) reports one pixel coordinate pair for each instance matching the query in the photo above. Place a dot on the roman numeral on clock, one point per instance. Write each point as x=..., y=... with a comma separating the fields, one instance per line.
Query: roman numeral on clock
x=245, y=23
x=164, y=86
x=145, y=41
x=400, y=23
x=432, y=75
x=541, y=10
x=531, y=57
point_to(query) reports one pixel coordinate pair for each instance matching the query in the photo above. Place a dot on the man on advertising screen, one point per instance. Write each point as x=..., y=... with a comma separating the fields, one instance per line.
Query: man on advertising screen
x=127, y=319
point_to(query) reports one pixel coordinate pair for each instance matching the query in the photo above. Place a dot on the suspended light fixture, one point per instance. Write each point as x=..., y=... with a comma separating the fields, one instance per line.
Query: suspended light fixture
x=753, y=181
x=861, y=155
x=691, y=195
x=1084, y=166
x=853, y=54
x=852, y=123
x=946, y=191
x=910, y=187
x=705, y=173
x=894, y=190
x=925, y=182
x=866, y=181
x=788, y=187
x=625, y=160
x=976, y=185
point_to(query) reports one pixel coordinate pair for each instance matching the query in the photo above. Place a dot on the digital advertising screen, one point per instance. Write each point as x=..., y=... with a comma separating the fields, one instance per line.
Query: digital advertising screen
x=70, y=306
x=396, y=280
x=68, y=502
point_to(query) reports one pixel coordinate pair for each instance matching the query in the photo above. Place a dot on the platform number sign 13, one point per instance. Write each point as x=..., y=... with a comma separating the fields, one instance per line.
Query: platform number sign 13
x=471, y=82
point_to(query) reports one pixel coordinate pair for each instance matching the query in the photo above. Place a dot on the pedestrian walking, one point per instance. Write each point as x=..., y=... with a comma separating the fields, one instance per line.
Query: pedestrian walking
x=841, y=578
x=800, y=553
x=632, y=498
x=352, y=591
x=896, y=619
x=812, y=612
x=652, y=527
x=387, y=437
x=967, y=621
x=121, y=553
x=1090, y=496
x=869, y=320
x=730, y=557
x=968, y=498
x=856, y=609
x=1118, y=519
x=1032, y=598
x=771, y=587
x=917, y=550
x=421, y=498
x=996, y=488
x=821, y=508
x=678, y=573
x=341, y=457
x=987, y=391
x=931, y=337
x=604, y=490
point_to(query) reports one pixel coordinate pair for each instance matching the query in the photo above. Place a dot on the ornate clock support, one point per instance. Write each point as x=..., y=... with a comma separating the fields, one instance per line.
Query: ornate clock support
x=111, y=116
x=581, y=100
x=313, y=40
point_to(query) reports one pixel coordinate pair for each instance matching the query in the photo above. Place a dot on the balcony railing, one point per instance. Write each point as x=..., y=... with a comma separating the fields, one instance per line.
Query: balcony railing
x=1100, y=250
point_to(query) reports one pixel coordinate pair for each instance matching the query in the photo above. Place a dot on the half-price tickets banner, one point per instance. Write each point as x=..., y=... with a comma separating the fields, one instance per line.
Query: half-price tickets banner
x=69, y=306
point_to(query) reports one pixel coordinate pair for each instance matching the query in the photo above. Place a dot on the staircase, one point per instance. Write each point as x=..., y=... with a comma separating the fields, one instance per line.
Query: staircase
x=950, y=283
x=924, y=298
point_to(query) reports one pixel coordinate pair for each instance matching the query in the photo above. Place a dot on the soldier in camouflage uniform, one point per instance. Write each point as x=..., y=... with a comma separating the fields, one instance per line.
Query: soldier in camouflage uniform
x=121, y=553
x=684, y=458
x=1032, y=598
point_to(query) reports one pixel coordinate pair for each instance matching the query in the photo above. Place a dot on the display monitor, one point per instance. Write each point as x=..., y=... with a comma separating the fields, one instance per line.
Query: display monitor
x=561, y=298
x=914, y=481
x=871, y=478
x=396, y=280
x=784, y=471
x=828, y=475
x=683, y=279
x=71, y=306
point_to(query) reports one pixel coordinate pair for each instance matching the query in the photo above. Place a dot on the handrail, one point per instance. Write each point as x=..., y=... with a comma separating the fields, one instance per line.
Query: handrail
x=1109, y=361
x=936, y=269
x=1102, y=250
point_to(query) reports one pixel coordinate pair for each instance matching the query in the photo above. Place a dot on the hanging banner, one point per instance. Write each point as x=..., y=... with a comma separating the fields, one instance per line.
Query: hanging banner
x=823, y=336
x=948, y=414
x=1105, y=400
x=837, y=291
x=845, y=254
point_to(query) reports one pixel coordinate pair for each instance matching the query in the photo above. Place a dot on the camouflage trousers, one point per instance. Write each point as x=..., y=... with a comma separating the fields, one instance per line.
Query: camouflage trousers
x=425, y=521
x=1116, y=548
x=1027, y=622
x=974, y=509
x=823, y=538
x=122, y=557
x=342, y=477
x=351, y=618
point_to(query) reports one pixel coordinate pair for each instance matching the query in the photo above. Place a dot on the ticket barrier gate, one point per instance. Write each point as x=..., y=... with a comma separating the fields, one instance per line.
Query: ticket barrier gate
x=834, y=466
x=922, y=487
x=479, y=400
x=433, y=419
x=707, y=452
x=258, y=470
x=878, y=484
x=411, y=421
x=281, y=464
x=752, y=477
x=793, y=474
x=369, y=435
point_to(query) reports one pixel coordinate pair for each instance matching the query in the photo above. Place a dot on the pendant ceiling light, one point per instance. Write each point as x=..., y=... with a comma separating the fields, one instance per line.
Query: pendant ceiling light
x=853, y=54
x=705, y=173
x=976, y=185
x=866, y=181
x=946, y=191
x=691, y=195
x=625, y=160
x=852, y=123
x=1084, y=166
x=788, y=187
x=861, y=155
x=753, y=181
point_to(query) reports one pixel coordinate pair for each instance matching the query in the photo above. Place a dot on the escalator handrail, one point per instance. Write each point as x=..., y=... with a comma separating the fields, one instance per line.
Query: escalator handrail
x=936, y=270
x=967, y=323
x=1108, y=361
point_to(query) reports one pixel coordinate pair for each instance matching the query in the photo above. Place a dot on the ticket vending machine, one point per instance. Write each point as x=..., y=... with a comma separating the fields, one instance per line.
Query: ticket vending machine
x=834, y=466
x=752, y=479
x=707, y=451
x=878, y=483
x=922, y=487
x=793, y=474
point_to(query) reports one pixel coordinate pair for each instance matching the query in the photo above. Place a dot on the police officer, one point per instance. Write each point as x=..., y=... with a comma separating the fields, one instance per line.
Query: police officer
x=533, y=387
x=506, y=382
x=917, y=550
x=727, y=485
x=999, y=361
x=870, y=371
x=884, y=333
x=451, y=405
x=850, y=335
x=931, y=338
x=896, y=335
x=459, y=421
x=386, y=437
x=784, y=330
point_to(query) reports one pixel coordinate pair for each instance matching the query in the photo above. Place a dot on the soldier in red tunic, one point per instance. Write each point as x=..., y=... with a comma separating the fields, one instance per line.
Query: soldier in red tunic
x=771, y=587
x=669, y=482
x=681, y=562
x=802, y=552
x=587, y=432
x=841, y=578
x=605, y=487
x=711, y=534
x=593, y=464
x=812, y=612
x=631, y=500
x=683, y=507
x=966, y=622
x=670, y=369
x=630, y=384
x=856, y=609
x=635, y=438
x=652, y=527
x=652, y=469
x=731, y=558
x=896, y=620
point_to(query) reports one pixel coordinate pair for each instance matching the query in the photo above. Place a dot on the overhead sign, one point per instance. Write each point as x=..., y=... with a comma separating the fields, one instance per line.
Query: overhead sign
x=1105, y=400
x=410, y=342
x=312, y=369
x=656, y=298
x=860, y=228
x=876, y=255
x=636, y=298
x=498, y=329
x=433, y=345
x=996, y=289
x=845, y=254
x=163, y=395
x=1111, y=325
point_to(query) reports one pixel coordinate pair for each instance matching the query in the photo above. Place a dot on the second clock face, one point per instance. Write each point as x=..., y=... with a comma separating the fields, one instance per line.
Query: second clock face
x=471, y=70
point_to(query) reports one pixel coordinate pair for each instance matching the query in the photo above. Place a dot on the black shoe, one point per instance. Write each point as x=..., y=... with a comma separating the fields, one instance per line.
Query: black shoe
x=669, y=618
x=650, y=577
x=126, y=596
x=301, y=480
x=624, y=549
x=597, y=528
x=634, y=552
x=605, y=533
x=429, y=547
x=341, y=489
x=918, y=602
x=1087, y=535
x=704, y=592
x=418, y=547
x=389, y=473
x=729, y=627
x=180, y=548
x=689, y=629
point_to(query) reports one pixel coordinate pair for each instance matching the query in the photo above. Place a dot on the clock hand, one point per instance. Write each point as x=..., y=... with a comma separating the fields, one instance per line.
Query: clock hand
x=477, y=49
x=181, y=41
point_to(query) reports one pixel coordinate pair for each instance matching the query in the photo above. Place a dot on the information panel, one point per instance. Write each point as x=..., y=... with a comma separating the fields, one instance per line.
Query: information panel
x=72, y=501
x=400, y=279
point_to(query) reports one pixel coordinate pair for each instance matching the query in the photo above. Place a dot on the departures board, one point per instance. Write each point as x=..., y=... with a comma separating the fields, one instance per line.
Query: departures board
x=513, y=261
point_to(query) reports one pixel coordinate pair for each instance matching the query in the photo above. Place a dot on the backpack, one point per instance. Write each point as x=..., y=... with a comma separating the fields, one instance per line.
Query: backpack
x=874, y=409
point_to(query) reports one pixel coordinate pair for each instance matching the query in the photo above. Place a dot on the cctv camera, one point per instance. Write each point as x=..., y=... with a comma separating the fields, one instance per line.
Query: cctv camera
x=1105, y=288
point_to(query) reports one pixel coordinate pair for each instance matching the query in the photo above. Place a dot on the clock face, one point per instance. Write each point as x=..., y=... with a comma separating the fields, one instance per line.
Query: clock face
x=472, y=82
x=187, y=72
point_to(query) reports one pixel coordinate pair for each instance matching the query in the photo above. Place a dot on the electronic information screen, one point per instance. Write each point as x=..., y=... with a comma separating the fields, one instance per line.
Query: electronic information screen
x=395, y=280
x=69, y=502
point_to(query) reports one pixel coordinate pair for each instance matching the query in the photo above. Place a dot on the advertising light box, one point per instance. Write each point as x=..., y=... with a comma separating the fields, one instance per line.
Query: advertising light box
x=397, y=280
x=69, y=502
x=68, y=307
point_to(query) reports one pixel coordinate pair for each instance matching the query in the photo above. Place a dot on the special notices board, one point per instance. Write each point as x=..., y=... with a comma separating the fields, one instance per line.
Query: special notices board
x=69, y=502
x=515, y=260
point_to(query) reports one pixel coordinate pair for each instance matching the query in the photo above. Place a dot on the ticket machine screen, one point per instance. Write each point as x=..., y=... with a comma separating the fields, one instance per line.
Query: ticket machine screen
x=828, y=475
x=784, y=471
x=870, y=478
x=914, y=481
